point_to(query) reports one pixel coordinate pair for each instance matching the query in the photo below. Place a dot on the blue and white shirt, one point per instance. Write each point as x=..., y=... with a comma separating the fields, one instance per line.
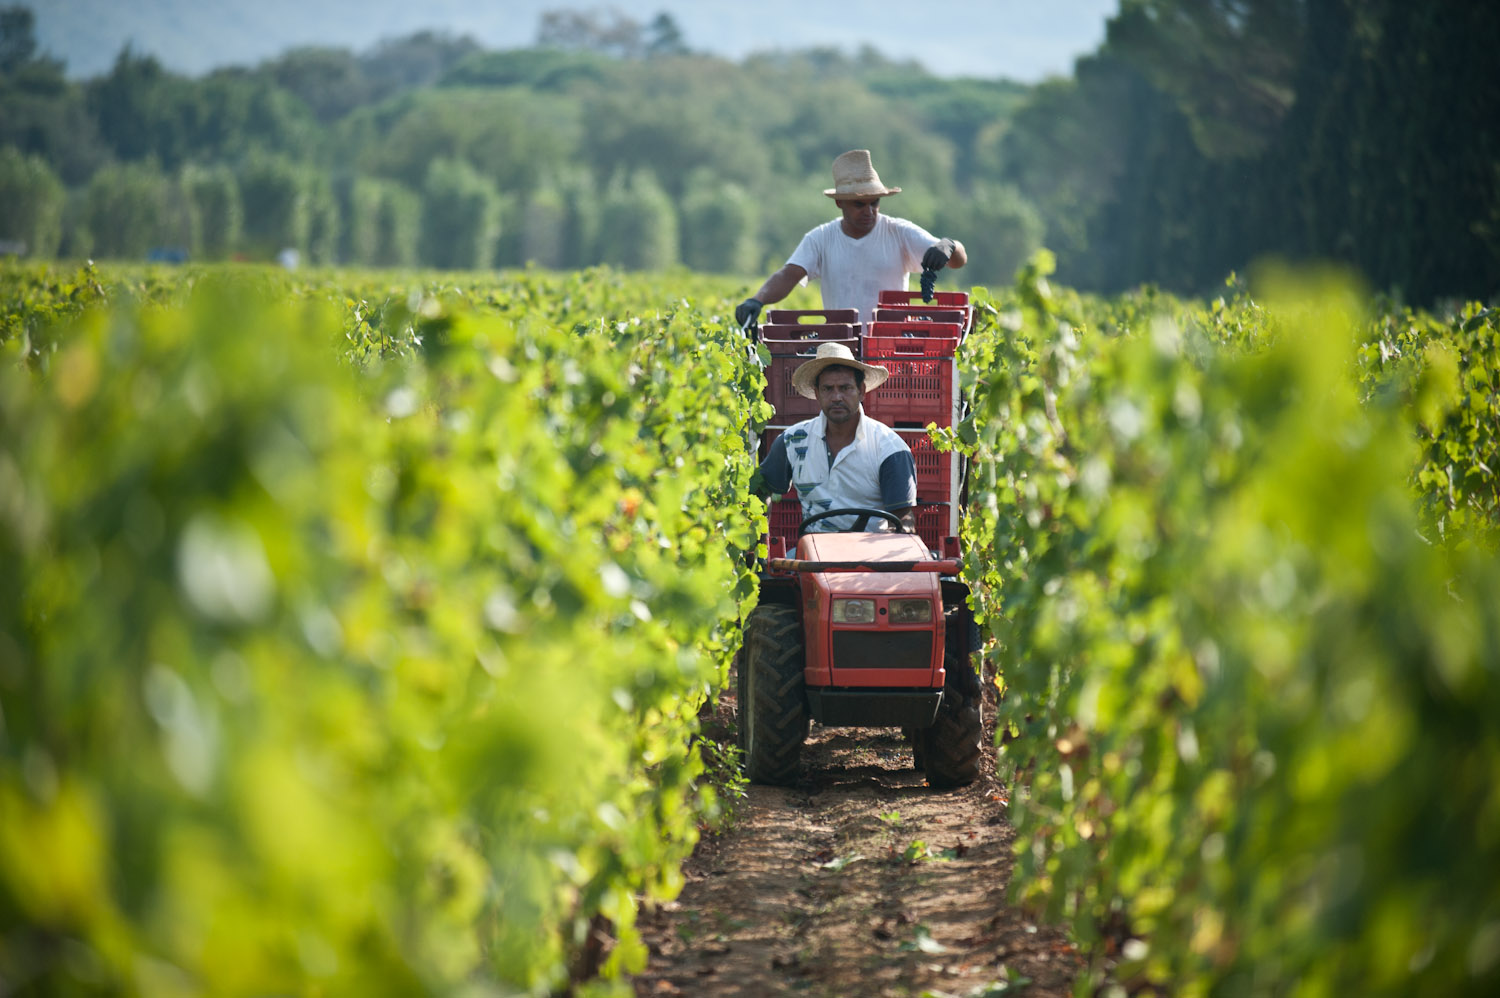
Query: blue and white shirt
x=875, y=471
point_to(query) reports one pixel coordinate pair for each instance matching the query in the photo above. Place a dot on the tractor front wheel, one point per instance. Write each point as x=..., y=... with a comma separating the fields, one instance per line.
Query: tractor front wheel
x=950, y=750
x=773, y=701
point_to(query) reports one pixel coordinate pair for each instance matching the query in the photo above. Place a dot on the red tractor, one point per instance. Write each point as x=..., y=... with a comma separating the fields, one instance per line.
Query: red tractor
x=857, y=628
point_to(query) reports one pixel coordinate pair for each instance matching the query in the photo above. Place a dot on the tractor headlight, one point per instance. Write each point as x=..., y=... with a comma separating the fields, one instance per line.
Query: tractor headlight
x=911, y=611
x=854, y=611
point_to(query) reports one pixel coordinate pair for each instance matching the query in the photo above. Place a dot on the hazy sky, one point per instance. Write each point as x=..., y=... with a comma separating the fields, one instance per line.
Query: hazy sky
x=1019, y=39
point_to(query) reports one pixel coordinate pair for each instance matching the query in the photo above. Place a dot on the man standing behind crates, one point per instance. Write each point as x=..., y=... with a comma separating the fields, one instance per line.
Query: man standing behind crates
x=858, y=255
x=841, y=459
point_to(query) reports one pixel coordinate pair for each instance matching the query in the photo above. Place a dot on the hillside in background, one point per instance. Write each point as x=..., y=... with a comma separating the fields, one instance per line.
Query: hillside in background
x=1015, y=39
x=1197, y=139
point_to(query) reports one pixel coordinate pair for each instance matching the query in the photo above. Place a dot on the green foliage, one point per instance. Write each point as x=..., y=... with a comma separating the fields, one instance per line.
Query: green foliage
x=787, y=214
x=460, y=217
x=1249, y=706
x=581, y=230
x=323, y=222
x=1228, y=65
x=17, y=39
x=44, y=116
x=213, y=200
x=385, y=675
x=724, y=786
x=140, y=111
x=637, y=224
x=543, y=69
x=532, y=121
x=1201, y=137
x=1066, y=148
x=373, y=677
x=719, y=225
x=961, y=111
x=508, y=136
x=1001, y=231
x=384, y=224
x=37, y=300
x=421, y=59
x=128, y=209
x=543, y=225
x=133, y=107
x=229, y=117
x=681, y=131
x=1217, y=133
x=276, y=196
x=31, y=203
x=1446, y=375
x=331, y=82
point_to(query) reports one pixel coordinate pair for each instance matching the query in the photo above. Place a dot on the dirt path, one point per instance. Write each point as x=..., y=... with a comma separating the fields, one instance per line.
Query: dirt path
x=860, y=881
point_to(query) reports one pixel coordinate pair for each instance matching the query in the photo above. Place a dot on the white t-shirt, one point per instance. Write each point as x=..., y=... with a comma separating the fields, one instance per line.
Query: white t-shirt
x=852, y=272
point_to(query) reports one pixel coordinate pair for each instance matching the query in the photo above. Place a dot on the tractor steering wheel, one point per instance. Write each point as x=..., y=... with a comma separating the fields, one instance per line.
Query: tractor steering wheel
x=864, y=514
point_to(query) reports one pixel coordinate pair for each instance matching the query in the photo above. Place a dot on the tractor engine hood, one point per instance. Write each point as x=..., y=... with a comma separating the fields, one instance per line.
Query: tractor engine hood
x=871, y=547
x=871, y=629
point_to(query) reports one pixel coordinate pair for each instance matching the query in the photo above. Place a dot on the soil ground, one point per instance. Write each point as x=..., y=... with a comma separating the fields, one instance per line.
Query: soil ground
x=859, y=881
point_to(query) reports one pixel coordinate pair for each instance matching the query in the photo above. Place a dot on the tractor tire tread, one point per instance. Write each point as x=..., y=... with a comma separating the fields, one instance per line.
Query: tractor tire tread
x=950, y=751
x=774, y=720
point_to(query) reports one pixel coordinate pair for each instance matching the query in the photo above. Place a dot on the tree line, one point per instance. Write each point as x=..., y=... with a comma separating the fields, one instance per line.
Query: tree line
x=607, y=142
x=1201, y=135
x=1205, y=134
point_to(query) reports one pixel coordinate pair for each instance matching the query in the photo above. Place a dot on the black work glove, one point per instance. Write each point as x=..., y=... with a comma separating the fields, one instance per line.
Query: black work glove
x=936, y=258
x=747, y=314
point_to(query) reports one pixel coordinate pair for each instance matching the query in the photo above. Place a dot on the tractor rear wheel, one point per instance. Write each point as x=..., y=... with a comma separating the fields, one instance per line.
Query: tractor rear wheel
x=773, y=701
x=949, y=751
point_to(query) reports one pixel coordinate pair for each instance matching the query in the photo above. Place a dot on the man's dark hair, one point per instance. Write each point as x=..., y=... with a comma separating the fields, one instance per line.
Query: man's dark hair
x=859, y=375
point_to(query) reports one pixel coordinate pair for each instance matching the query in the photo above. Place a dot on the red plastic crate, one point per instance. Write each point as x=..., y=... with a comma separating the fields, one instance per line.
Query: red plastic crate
x=934, y=312
x=785, y=514
x=934, y=467
x=914, y=329
x=963, y=318
x=876, y=349
x=932, y=527
x=791, y=407
x=940, y=298
x=782, y=517
x=815, y=316
x=919, y=390
x=797, y=339
x=911, y=302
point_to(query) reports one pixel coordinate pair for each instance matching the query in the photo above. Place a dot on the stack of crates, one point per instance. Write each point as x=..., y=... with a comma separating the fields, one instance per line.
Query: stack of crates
x=792, y=338
x=917, y=342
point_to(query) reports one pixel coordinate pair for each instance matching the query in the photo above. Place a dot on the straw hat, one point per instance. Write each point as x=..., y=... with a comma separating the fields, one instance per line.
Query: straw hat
x=855, y=177
x=805, y=377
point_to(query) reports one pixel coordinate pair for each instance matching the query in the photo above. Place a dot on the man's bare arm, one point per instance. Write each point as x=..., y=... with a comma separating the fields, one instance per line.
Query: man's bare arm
x=780, y=284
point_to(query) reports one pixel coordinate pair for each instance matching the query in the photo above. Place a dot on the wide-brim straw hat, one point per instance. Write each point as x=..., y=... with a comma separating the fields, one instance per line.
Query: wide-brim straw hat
x=855, y=177
x=805, y=377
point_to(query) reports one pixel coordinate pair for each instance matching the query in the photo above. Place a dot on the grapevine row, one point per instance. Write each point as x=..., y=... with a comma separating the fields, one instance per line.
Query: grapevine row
x=1237, y=565
x=373, y=676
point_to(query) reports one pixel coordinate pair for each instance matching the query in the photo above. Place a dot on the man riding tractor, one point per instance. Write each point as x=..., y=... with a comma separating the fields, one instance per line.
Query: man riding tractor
x=866, y=626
